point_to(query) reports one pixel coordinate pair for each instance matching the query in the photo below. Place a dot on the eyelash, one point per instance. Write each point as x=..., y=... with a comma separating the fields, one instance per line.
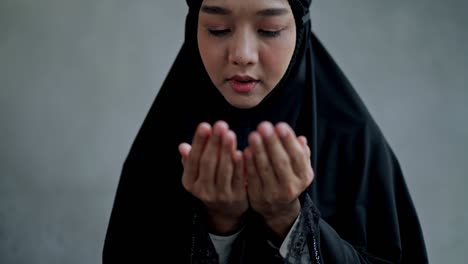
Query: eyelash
x=265, y=33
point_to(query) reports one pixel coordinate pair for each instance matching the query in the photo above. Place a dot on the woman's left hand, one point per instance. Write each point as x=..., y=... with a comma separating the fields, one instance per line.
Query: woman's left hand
x=278, y=171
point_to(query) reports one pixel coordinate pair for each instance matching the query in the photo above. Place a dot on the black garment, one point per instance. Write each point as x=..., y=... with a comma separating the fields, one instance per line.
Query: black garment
x=357, y=209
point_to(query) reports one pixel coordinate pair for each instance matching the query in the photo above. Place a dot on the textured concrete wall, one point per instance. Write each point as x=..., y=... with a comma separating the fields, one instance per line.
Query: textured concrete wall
x=77, y=78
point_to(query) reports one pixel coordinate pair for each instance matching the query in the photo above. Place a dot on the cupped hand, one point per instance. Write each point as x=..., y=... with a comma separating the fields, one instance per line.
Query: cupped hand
x=214, y=173
x=278, y=170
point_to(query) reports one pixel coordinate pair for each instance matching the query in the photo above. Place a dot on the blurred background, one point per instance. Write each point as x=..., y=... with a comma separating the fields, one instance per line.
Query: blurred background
x=78, y=77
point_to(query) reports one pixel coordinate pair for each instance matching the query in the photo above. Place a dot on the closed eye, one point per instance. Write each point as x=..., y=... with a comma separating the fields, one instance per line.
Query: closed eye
x=269, y=33
x=265, y=33
x=219, y=32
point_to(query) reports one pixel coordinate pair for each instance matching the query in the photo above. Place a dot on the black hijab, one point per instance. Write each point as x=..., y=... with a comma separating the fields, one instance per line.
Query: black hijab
x=206, y=102
x=358, y=186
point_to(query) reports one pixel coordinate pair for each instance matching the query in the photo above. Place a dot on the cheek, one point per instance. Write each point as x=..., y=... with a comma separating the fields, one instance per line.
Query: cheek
x=210, y=53
x=276, y=59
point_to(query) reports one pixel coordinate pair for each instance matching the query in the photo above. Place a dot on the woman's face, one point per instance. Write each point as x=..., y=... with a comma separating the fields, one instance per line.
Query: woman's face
x=246, y=46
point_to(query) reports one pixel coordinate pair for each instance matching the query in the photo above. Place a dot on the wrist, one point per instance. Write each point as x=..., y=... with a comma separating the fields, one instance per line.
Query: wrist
x=281, y=224
x=223, y=226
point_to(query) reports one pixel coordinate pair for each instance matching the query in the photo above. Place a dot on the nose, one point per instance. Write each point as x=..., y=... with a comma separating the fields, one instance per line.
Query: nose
x=243, y=49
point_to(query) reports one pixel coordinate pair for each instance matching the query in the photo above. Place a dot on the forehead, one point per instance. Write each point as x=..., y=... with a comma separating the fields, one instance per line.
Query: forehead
x=247, y=5
x=240, y=9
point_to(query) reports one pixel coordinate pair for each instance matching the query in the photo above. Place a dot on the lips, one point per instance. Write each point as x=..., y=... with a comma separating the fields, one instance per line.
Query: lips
x=242, y=84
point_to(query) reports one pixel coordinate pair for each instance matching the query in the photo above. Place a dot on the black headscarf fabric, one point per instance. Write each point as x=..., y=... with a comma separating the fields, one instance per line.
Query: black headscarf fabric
x=357, y=210
x=282, y=104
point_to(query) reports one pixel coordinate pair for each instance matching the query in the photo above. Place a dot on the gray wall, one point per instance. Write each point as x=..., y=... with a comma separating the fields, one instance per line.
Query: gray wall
x=77, y=78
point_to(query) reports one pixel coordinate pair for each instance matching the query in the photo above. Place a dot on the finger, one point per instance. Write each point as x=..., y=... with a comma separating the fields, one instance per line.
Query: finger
x=209, y=157
x=262, y=161
x=278, y=155
x=191, y=161
x=238, y=180
x=303, y=142
x=223, y=178
x=296, y=152
x=184, y=149
x=254, y=184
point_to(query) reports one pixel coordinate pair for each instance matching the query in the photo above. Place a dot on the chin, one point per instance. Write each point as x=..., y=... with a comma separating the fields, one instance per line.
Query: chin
x=242, y=103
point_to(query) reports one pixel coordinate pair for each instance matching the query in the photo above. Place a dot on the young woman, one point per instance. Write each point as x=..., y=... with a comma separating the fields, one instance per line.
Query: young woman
x=258, y=150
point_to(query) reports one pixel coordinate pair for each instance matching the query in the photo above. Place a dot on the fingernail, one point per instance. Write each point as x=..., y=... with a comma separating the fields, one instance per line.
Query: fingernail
x=220, y=127
x=283, y=130
x=257, y=139
x=268, y=130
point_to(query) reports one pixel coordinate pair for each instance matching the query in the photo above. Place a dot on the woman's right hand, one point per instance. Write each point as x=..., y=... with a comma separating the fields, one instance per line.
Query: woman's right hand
x=214, y=173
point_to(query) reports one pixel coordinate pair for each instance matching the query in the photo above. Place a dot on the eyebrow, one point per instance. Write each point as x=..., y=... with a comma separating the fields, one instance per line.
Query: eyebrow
x=273, y=12
x=217, y=10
